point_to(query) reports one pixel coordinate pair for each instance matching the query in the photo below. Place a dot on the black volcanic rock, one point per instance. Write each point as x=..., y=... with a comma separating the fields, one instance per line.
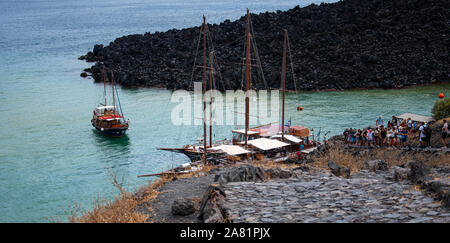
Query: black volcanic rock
x=343, y=45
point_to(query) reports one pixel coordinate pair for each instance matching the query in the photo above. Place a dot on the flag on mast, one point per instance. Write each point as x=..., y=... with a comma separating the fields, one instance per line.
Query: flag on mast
x=288, y=124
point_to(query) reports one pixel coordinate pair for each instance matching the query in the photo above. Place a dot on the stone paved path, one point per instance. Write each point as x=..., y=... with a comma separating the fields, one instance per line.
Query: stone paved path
x=193, y=187
x=322, y=197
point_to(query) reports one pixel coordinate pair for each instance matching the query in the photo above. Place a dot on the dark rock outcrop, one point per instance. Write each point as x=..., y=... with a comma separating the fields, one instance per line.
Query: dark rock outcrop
x=212, y=209
x=338, y=170
x=400, y=173
x=243, y=173
x=343, y=45
x=278, y=173
x=442, y=190
x=375, y=165
x=433, y=181
x=417, y=171
x=302, y=168
x=183, y=206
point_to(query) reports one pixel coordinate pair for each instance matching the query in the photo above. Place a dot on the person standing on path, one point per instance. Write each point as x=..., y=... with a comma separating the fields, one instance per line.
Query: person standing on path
x=444, y=133
x=383, y=135
x=428, y=133
x=346, y=132
x=379, y=121
x=422, y=135
x=394, y=121
x=404, y=136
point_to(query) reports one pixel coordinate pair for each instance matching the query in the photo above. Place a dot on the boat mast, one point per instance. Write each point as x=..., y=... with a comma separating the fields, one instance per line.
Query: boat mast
x=210, y=96
x=204, y=89
x=104, y=81
x=247, y=87
x=112, y=85
x=283, y=83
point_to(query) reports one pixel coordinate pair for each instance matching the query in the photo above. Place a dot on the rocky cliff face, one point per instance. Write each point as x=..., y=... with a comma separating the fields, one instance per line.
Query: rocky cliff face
x=344, y=45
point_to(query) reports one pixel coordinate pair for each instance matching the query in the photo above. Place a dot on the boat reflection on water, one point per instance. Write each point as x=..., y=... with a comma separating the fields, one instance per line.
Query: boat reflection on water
x=123, y=140
x=112, y=145
x=115, y=156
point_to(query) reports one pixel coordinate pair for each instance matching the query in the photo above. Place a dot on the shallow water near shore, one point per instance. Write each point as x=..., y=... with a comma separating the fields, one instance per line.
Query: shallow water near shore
x=50, y=155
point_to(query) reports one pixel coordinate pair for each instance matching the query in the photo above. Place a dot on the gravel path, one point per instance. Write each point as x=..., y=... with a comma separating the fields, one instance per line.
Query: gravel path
x=322, y=197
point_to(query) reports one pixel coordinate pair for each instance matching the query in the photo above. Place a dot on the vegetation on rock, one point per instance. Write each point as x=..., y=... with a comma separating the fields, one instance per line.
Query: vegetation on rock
x=441, y=109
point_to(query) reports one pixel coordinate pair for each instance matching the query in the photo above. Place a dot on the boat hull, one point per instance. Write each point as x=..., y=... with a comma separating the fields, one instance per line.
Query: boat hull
x=112, y=132
x=193, y=156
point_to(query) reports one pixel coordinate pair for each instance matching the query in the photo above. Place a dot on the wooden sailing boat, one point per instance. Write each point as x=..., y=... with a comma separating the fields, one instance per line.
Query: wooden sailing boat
x=200, y=152
x=247, y=77
x=109, y=119
x=197, y=152
x=262, y=142
x=283, y=83
x=294, y=131
x=204, y=91
x=249, y=134
x=243, y=142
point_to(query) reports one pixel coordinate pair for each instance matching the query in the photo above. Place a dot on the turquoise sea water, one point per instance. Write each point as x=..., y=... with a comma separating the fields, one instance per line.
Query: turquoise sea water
x=51, y=157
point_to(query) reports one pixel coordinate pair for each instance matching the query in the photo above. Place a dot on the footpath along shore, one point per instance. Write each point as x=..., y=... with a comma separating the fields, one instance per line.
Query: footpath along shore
x=380, y=191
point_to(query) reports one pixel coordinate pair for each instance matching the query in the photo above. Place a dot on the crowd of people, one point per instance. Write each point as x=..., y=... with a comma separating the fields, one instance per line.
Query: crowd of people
x=395, y=133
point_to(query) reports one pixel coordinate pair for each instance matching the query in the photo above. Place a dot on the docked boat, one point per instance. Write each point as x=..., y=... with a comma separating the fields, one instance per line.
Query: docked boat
x=265, y=141
x=109, y=119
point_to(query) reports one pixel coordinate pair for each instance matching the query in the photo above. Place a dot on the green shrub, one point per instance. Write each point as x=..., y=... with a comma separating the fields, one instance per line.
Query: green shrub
x=441, y=109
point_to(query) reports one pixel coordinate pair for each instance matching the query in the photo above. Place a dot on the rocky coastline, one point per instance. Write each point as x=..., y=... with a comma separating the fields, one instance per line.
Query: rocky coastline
x=345, y=45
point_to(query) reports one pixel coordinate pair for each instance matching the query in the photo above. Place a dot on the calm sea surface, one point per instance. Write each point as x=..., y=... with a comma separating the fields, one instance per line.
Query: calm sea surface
x=51, y=157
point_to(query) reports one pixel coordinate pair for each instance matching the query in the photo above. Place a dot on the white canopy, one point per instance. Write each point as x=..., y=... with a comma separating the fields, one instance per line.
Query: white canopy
x=415, y=117
x=266, y=143
x=231, y=149
x=288, y=137
x=105, y=107
x=307, y=151
x=242, y=131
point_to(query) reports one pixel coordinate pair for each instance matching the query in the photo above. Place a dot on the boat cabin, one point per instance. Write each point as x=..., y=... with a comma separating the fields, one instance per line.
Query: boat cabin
x=288, y=138
x=268, y=147
x=233, y=152
x=104, y=110
x=239, y=136
x=299, y=131
x=270, y=130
